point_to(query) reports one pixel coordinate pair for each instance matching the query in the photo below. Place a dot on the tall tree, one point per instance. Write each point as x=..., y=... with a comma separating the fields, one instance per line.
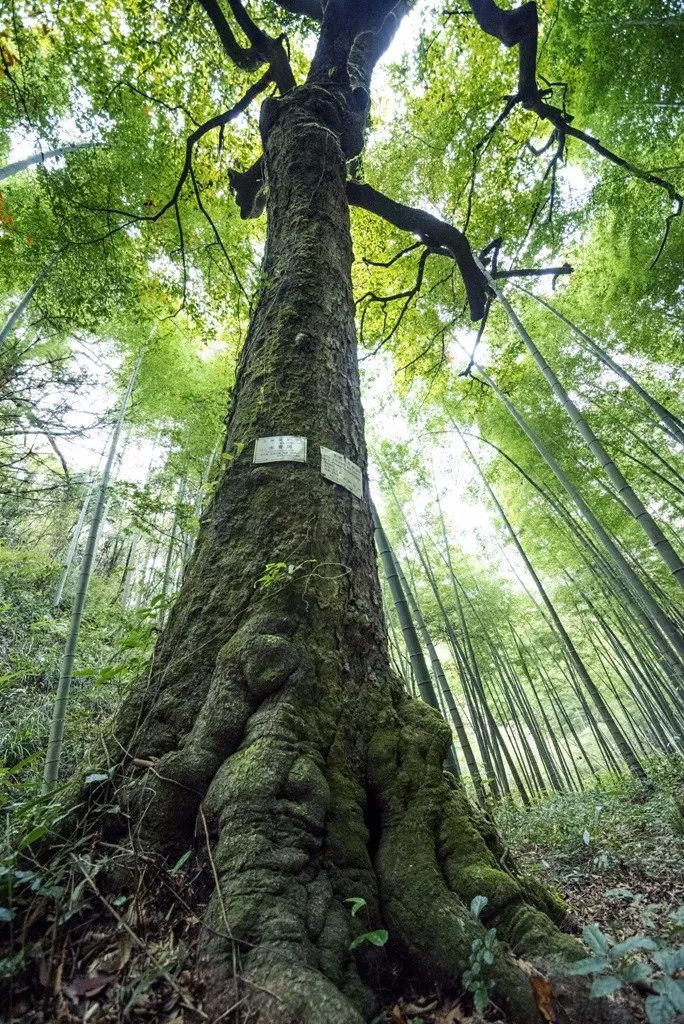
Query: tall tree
x=270, y=717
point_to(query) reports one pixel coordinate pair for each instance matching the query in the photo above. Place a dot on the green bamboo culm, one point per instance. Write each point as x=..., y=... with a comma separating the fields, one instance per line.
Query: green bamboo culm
x=670, y=423
x=645, y=605
x=9, y=170
x=621, y=486
x=73, y=544
x=54, y=748
x=413, y=646
x=408, y=628
x=571, y=651
x=18, y=311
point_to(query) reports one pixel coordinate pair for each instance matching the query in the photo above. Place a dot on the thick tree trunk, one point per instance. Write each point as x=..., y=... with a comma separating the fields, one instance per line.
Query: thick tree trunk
x=271, y=722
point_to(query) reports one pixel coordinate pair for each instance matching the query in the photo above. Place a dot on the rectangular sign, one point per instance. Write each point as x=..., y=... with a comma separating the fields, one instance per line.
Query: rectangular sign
x=283, y=448
x=341, y=470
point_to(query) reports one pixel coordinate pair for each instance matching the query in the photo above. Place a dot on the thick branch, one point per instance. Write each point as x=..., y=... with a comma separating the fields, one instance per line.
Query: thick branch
x=262, y=49
x=246, y=58
x=513, y=28
x=519, y=27
x=553, y=272
x=247, y=187
x=343, y=22
x=272, y=50
x=434, y=232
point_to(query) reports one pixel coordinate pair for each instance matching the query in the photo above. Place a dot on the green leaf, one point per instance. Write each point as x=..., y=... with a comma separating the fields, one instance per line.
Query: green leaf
x=677, y=916
x=376, y=938
x=357, y=903
x=634, y=972
x=659, y=1010
x=481, y=998
x=619, y=894
x=631, y=945
x=180, y=862
x=595, y=939
x=671, y=990
x=670, y=960
x=590, y=965
x=6, y=914
x=35, y=833
x=477, y=905
x=605, y=986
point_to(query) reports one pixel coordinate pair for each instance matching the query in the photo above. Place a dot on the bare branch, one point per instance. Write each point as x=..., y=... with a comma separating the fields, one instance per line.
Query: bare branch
x=520, y=28
x=246, y=58
x=435, y=233
x=408, y=295
x=393, y=259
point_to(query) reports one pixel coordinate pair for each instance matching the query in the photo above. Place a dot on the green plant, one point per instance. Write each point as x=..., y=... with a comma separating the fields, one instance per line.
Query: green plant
x=477, y=978
x=275, y=572
x=376, y=938
x=614, y=966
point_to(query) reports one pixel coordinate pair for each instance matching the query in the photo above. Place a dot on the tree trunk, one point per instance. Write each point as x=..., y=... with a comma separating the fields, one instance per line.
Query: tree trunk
x=271, y=710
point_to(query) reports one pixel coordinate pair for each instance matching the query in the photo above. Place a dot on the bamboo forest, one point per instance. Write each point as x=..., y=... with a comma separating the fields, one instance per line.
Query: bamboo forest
x=341, y=511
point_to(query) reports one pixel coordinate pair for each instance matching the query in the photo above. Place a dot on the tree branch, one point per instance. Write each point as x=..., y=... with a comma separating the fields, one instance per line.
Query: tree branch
x=534, y=272
x=272, y=50
x=435, y=233
x=520, y=28
x=262, y=49
x=214, y=122
x=247, y=188
x=246, y=58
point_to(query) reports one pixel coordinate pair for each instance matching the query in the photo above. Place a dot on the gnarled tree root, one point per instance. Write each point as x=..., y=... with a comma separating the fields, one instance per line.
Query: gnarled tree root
x=304, y=808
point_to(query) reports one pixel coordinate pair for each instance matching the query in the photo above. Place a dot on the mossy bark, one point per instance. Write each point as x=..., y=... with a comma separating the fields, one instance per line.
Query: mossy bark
x=271, y=716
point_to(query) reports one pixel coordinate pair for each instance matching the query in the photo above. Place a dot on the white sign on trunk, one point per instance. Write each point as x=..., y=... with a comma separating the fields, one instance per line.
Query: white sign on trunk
x=283, y=448
x=341, y=470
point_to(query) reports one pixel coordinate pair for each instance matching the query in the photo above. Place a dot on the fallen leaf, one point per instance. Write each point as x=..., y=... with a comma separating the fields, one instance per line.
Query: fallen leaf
x=45, y=972
x=90, y=986
x=544, y=996
x=414, y=1009
x=452, y=1015
x=125, y=949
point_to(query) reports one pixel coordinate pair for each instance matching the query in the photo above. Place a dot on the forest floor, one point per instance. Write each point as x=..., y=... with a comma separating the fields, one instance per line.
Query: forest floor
x=615, y=852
